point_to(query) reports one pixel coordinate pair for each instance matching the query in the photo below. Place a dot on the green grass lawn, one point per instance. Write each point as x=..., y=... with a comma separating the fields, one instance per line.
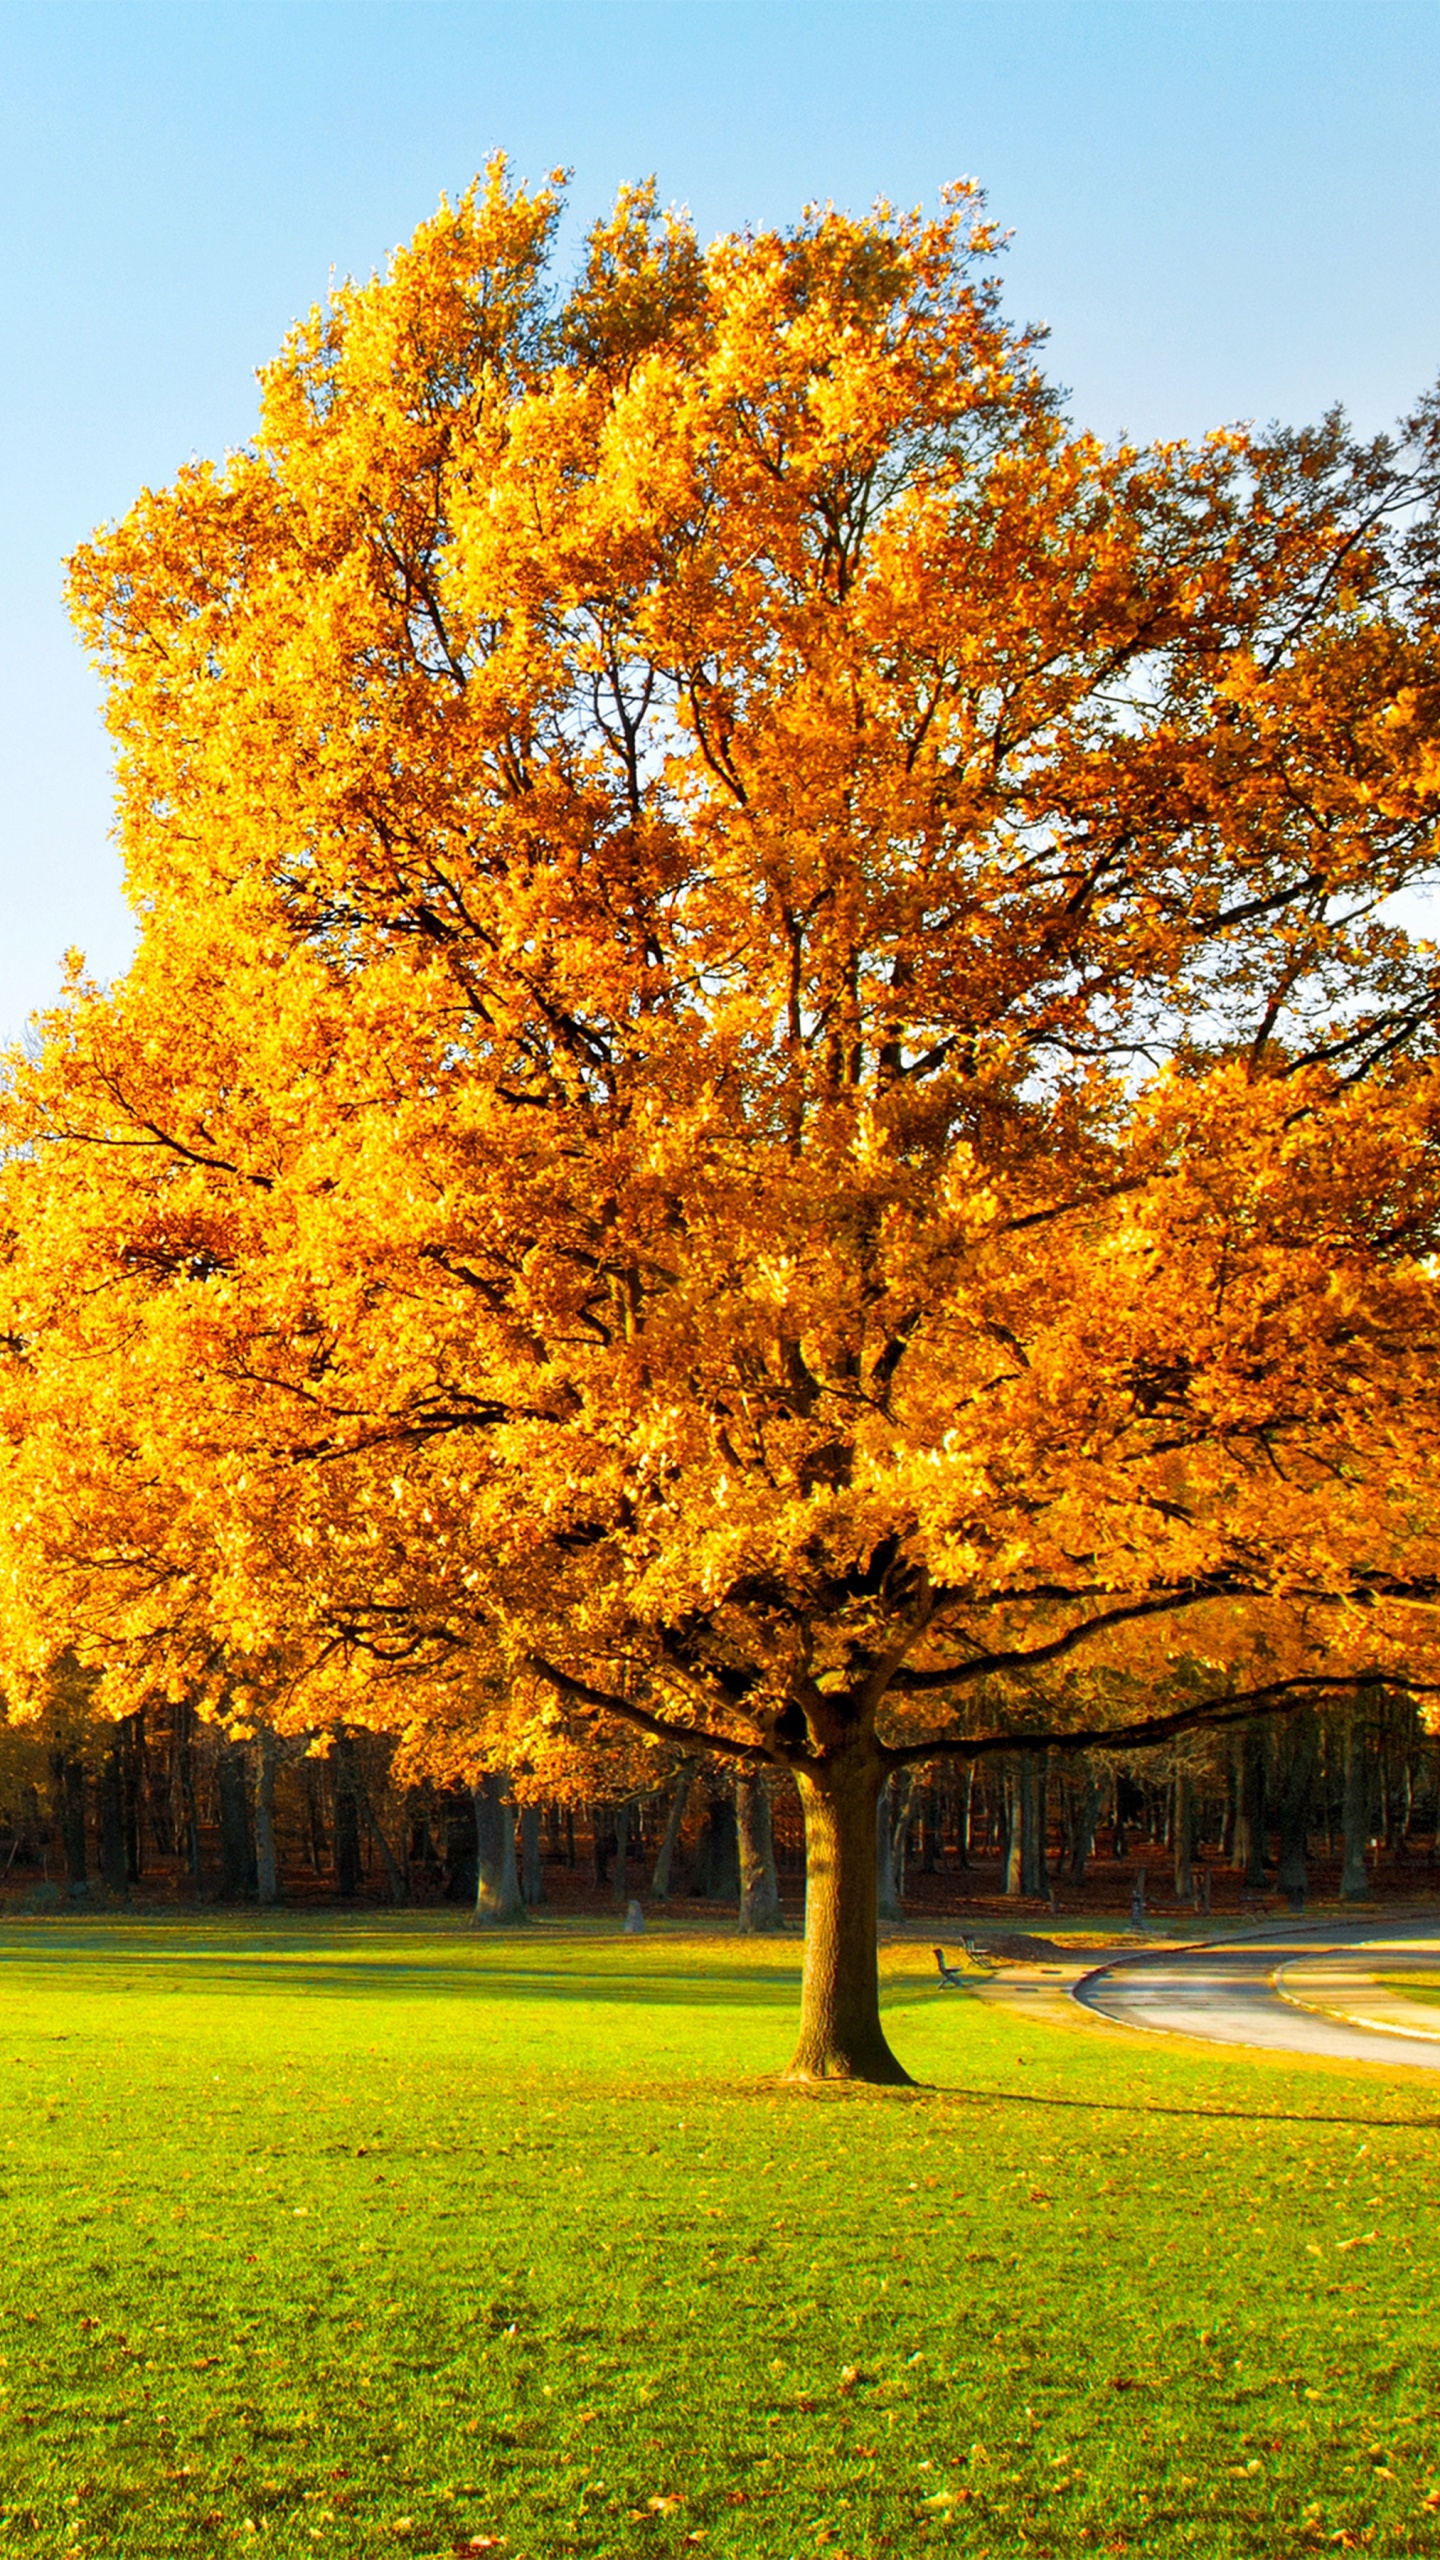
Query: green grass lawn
x=363, y=2237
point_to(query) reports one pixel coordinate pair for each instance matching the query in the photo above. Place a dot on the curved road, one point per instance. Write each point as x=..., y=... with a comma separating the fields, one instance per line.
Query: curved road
x=1260, y=1991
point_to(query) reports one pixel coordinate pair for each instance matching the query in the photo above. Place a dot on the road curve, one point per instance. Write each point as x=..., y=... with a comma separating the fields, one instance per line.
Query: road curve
x=1252, y=1992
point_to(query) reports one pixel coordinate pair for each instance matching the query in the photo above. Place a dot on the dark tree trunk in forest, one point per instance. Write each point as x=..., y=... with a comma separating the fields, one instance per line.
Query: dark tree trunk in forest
x=132, y=1774
x=1014, y=1848
x=621, y=1890
x=189, y=1807
x=497, y=1883
x=349, y=1873
x=1087, y=1814
x=267, y=1874
x=1297, y=1788
x=532, y=1865
x=674, y=1823
x=760, y=1914
x=1355, y=1877
x=1251, y=1808
x=67, y=1775
x=114, y=1867
x=841, y=2037
x=1032, y=1824
x=891, y=1815
x=237, y=1846
x=717, y=1856
x=1183, y=1840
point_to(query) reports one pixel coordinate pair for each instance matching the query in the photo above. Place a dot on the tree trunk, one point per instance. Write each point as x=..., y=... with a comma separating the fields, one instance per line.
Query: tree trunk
x=1087, y=1814
x=1183, y=1842
x=760, y=1914
x=1297, y=1786
x=114, y=1867
x=1014, y=1853
x=1251, y=1810
x=237, y=1849
x=674, y=1823
x=349, y=1873
x=621, y=1893
x=841, y=2037
x=189, y=1807
x=1032, y=1823
x=1355, y=1879
x=497, y=1885
x=68, y=1808
x=890, y=1817
x=532, y=1865
x=717, y=1856
x=267, y=1877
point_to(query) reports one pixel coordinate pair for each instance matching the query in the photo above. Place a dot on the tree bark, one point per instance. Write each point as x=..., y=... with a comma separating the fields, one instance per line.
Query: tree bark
x=1355, y=1878
x=114, y=1866
x=760, y=1914
x=189, y=1806
x=1014, y=1834
x=1251, y=1809
x=1032, y=1824
x=267, y=1876
x=237, y=1848
x=1297, y=1786
x=68, y=1808
x=497, y=1885
x=674, y=1823
x=1087, y=1814
x=1183, y=1842
x=532, y=1865
x=841, y=2037
x=349, y=1874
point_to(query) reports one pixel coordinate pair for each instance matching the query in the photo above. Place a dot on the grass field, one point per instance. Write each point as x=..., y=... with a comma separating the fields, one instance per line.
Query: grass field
x=361, y=2238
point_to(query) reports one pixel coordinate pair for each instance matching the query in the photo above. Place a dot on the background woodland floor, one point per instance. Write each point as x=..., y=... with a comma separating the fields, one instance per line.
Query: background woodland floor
x=367, y=2235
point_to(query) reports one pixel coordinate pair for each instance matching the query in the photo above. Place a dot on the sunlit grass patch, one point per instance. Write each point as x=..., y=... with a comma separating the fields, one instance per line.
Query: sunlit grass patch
x=372, y=2238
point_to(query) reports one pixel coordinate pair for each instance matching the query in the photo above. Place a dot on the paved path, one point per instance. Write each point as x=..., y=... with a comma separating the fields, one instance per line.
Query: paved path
x=1299, y=1991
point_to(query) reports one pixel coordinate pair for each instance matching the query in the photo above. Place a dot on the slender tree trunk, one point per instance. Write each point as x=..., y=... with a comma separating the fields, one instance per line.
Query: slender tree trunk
x=189, y=1804
x=622, y=1853
x=841, y=2037
x=1032, y=1817
x=237, y=1847
x=67, y=1793
x=395, y=1872
x=532, y=1865
x=1252, y=1815
x=1355, y=1879
x=267, y=1877
x=760, y=1914
x=1014, y=1834
x=113, y=1865
x=1087, y=1814
x=1183, y=1841
x=349, y=1873
x=890, y=1813
x=497, y=1885
x=1297, y=1786
x=674, y=1823
x=967, y=1818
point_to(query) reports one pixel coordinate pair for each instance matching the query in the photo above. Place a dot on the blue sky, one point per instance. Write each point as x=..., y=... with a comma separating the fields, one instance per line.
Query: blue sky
x=1223, y=210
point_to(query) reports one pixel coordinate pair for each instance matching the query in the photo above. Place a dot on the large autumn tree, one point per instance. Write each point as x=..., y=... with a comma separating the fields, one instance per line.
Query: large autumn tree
x=770, y=1088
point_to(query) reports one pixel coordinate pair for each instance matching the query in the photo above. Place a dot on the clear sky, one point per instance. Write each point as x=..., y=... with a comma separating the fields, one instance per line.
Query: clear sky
x=1223, y=210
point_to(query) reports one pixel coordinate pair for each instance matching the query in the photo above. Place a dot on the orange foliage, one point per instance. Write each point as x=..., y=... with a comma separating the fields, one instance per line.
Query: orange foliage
x=766, y=1088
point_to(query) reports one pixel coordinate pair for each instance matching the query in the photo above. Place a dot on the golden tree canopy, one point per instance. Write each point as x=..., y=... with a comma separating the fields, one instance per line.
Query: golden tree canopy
x=768, y=1087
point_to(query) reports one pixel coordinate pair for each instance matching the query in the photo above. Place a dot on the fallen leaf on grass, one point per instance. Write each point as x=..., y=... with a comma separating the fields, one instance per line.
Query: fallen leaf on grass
x=1362, y=2240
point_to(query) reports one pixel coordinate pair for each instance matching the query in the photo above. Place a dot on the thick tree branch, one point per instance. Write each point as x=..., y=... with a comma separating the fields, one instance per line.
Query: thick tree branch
x=1231, y=1707
x=687, y=1737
